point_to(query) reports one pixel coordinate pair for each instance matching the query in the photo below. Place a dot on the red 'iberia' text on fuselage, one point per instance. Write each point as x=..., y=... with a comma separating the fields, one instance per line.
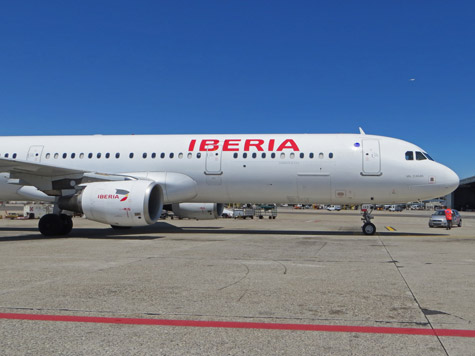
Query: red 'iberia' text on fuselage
x=237, y=144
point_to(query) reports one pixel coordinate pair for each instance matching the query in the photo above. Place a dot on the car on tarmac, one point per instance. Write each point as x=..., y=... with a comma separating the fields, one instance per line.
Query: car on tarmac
x=438, y=219
x=334, y=207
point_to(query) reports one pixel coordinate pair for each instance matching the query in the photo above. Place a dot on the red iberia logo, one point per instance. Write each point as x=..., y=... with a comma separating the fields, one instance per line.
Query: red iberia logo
x=120, y=194
x=237, y=144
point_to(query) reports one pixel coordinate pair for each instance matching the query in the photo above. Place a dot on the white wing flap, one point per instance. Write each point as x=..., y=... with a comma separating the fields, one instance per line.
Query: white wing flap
x=51, y=180
x=39, y=169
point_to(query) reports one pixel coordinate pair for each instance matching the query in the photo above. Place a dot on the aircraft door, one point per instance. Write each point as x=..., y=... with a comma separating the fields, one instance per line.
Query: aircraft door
x=213, y=162
x=371, y=158
x=34, y=154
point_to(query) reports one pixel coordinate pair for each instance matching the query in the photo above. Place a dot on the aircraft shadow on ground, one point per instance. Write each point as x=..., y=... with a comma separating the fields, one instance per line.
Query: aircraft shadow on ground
x=162, y=229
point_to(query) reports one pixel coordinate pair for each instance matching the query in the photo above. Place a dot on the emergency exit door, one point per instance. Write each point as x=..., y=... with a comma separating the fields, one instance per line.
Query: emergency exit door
x=34, y=154
x=213, y=162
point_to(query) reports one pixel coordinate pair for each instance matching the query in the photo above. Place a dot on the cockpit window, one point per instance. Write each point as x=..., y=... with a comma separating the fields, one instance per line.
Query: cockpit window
x=427, y=155
x=420, y=156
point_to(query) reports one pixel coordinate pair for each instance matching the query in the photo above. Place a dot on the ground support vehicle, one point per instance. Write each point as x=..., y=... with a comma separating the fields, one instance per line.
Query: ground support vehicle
x=243, y=213
x=262, y=212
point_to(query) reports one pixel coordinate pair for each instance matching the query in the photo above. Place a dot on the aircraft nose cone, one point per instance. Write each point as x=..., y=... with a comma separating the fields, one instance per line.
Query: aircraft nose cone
x=451, y=180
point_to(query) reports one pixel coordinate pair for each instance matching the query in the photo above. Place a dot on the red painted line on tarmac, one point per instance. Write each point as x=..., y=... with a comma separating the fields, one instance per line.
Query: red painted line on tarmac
x=241, y=325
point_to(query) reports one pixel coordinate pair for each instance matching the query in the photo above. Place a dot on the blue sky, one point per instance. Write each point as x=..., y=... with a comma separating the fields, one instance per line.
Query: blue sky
x=404, y=69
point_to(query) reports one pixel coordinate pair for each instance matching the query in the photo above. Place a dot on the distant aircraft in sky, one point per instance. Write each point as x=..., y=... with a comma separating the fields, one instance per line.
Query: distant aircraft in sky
x=126, y=181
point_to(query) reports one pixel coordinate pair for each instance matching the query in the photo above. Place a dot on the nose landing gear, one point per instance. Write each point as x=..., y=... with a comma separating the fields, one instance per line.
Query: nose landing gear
x=368, y=227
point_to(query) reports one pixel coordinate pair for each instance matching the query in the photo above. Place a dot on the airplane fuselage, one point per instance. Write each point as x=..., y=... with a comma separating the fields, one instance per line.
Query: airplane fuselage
x=279, y=168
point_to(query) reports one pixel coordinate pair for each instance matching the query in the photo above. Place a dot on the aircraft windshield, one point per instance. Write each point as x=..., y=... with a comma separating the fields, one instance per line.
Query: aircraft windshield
x=420, y=156
x=427, y=155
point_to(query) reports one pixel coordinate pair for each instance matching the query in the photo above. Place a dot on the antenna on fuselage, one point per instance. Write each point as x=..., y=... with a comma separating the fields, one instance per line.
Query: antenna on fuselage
x=361, y=131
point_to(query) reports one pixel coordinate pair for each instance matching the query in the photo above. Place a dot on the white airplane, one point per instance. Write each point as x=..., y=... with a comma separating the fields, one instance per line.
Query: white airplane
x=125, y=181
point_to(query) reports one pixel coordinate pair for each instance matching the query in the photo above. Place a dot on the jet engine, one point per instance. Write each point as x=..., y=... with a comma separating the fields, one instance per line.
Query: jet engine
x=118, y=203
x=198, y=211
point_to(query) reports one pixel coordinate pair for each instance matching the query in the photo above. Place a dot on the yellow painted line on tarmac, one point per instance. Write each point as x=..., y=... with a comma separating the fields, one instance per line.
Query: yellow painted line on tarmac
x=390, y=228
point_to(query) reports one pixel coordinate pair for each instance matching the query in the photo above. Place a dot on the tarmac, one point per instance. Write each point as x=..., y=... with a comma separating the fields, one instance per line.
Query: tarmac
x=306, y=283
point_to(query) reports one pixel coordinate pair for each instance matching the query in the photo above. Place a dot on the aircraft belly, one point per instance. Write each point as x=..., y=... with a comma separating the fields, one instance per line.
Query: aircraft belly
x=258, y=187
x=314, y=188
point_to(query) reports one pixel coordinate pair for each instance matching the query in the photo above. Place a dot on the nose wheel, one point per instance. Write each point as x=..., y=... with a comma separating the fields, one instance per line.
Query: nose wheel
x=368, y=227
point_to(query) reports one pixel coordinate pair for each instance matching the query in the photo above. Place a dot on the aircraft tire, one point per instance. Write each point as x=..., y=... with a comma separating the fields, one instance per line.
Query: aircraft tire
x=369, y=229
x=50, y=225
x=67, y=224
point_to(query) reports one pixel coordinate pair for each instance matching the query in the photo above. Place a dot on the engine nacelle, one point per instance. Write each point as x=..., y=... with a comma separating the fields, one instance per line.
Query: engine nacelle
x=119, y=203
x=199, y=211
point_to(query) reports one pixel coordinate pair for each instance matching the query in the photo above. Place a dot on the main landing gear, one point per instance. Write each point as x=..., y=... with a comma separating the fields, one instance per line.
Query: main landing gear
x=55, y=224
x=368, y=227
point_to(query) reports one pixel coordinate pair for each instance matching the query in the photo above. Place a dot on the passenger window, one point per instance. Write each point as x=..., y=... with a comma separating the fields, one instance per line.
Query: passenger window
x=117, y=155
x=189, y=155
x=65, y=155
x=14, y=155
x=292, y=155
x=131, y=155
x=81, y=156
x=73, y=155
x=6, y=155
x=320, y=155
x=56, y=155
x=282, y=155
x=272, y=155
x=162, y=155
x=171, y=155
x=330, y=155
x=144, y=155
x=254, y=155
x=108, y=155
x=154, y=155
x=409, y=156
x=263, y=155
x=235, y=155
x=198, y=155
x=302, y=155
x=420, y=156
x=89, y=155
x=311, y=155
x=244, y=155
x=99, y=155
x=180, y=155
x=48, y=156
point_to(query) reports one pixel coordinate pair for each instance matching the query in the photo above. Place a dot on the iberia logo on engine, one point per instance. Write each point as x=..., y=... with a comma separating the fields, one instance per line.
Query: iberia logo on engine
x=120, y=194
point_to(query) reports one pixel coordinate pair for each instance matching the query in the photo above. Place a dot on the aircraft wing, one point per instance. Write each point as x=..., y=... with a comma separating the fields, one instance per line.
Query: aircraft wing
x=52, y=180
x=33, y=168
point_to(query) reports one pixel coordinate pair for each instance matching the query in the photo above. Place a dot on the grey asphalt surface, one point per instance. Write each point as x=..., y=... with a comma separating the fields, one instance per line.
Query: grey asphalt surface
x=306, y=267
